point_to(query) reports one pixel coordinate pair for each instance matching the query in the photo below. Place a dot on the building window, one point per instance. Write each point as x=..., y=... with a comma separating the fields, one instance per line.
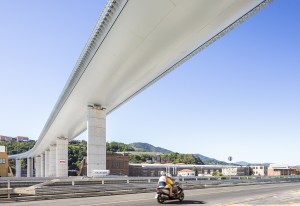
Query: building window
x=2, y=160
x=115, y=164
x=144, y=173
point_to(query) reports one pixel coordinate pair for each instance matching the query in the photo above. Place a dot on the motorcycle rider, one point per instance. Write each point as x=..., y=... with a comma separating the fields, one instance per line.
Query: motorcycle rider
x=165, y=181
x=162, y=180
x=170, y=184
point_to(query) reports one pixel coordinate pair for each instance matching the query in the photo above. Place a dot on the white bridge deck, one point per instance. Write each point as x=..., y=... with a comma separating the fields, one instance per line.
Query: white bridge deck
x=134, y=44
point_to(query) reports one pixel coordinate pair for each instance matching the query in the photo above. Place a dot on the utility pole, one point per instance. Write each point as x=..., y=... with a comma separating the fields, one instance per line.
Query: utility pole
x=230, y=159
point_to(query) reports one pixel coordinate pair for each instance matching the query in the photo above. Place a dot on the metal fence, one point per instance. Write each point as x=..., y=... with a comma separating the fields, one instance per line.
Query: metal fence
x=130, y=184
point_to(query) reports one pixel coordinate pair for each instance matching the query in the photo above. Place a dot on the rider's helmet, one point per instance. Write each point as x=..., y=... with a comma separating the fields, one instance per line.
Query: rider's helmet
x=162, y=173
x=169, y=175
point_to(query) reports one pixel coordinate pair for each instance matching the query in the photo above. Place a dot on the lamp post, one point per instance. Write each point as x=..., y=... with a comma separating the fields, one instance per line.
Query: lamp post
x=230, y=159
x=17, y=145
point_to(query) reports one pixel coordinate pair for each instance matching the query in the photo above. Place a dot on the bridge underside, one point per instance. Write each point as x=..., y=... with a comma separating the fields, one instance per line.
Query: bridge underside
x=134, y=44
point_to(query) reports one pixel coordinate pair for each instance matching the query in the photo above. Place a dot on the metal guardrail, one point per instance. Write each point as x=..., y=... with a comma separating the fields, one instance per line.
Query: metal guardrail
x=124, y=180
x=6, y=191
x=73, y=185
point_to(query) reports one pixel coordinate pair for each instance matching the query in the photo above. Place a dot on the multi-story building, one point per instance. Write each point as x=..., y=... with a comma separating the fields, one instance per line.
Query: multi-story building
x=230, y=171
x=3, y=162
x=259, y=170
x=117, y=164
x=279, y=169
x=5, y=138
x=186, y=173
x=22, y=139
x=8, y=139
x=295, y=170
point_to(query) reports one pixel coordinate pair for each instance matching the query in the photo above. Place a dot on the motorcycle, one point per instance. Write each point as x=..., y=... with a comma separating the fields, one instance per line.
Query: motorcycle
x=162, y=194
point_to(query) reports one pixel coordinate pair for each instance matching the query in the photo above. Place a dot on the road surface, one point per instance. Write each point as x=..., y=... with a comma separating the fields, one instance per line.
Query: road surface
x=263, y=194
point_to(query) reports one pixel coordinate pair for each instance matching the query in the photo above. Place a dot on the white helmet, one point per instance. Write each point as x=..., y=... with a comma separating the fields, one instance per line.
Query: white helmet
x=162, y=173
x=169, y=175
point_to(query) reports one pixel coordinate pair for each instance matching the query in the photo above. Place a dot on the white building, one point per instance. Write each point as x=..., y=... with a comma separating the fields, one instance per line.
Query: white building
x=230, y=171
x=186, y=173
x=259, y=170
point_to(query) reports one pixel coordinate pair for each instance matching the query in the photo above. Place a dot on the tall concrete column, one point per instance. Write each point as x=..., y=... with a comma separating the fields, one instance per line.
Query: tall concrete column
x=37, y=166
x=18, y=167
x=47, y=163
x=52, y=161
x=96, y=144
x=29, y=167
x=42, y=165
x=62, y=157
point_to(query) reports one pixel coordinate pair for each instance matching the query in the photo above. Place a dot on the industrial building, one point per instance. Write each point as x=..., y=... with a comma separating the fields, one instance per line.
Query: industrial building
x=3, y=162
x=279, y=169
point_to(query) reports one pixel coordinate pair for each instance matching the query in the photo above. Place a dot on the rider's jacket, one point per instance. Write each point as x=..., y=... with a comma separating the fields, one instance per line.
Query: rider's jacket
x=169, y=182
x=162, y=181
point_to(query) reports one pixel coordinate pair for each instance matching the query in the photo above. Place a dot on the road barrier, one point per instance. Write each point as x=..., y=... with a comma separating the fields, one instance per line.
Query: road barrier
x=86, y=187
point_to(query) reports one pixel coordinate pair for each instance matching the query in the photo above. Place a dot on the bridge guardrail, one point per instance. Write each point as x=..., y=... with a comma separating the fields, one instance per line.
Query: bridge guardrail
x=85, y=187
x=124, y=180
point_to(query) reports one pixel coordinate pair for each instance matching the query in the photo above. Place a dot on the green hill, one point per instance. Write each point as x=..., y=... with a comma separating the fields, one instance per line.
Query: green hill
x=145, y=147
x=210, y=161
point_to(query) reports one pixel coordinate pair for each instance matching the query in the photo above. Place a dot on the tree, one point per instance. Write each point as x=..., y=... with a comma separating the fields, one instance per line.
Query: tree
x=217, y=173
x=195, y=169
x=118, y=147
x=250, y=170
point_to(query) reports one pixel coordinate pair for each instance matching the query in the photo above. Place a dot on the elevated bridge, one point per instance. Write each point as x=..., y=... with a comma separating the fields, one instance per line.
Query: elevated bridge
x=134, y=44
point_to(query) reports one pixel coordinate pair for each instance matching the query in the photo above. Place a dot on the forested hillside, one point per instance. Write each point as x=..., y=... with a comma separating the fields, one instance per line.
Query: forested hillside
x=173, y=158
x=145, y=147
x=210, y=161
x=78, y=150
x=15, y=147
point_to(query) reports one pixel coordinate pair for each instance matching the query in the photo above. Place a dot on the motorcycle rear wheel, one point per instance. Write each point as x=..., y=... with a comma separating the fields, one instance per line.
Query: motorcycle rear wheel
x=160, y=199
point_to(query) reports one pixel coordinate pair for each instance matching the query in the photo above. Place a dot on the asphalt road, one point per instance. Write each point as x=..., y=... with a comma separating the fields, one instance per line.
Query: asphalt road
x=265, y=194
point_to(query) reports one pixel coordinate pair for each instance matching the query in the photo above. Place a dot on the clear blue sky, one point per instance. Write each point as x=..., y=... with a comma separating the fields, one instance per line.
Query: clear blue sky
x=239, y=97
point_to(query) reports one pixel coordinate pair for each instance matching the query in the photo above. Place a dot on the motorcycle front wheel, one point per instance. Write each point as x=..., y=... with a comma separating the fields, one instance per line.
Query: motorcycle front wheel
x=181, y=197
x=160, y=199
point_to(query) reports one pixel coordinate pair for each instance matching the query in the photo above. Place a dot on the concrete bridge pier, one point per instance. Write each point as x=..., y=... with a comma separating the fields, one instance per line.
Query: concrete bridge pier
x=29, y=167
x=18, y=167
x=52, y=161
x=47, y=162
x=43, y=165
x=37, y=166
x=61, y=157
x=96, y=141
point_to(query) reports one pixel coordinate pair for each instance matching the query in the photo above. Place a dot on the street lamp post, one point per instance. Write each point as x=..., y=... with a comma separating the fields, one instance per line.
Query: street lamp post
x=230, y=159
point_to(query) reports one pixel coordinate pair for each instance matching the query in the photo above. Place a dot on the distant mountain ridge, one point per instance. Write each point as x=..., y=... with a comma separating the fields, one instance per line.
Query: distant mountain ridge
x=145, y=147
x=210, y=161
x=243, y=163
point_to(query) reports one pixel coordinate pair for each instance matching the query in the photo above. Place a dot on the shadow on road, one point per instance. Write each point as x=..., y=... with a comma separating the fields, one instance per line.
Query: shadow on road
x=186, y=202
